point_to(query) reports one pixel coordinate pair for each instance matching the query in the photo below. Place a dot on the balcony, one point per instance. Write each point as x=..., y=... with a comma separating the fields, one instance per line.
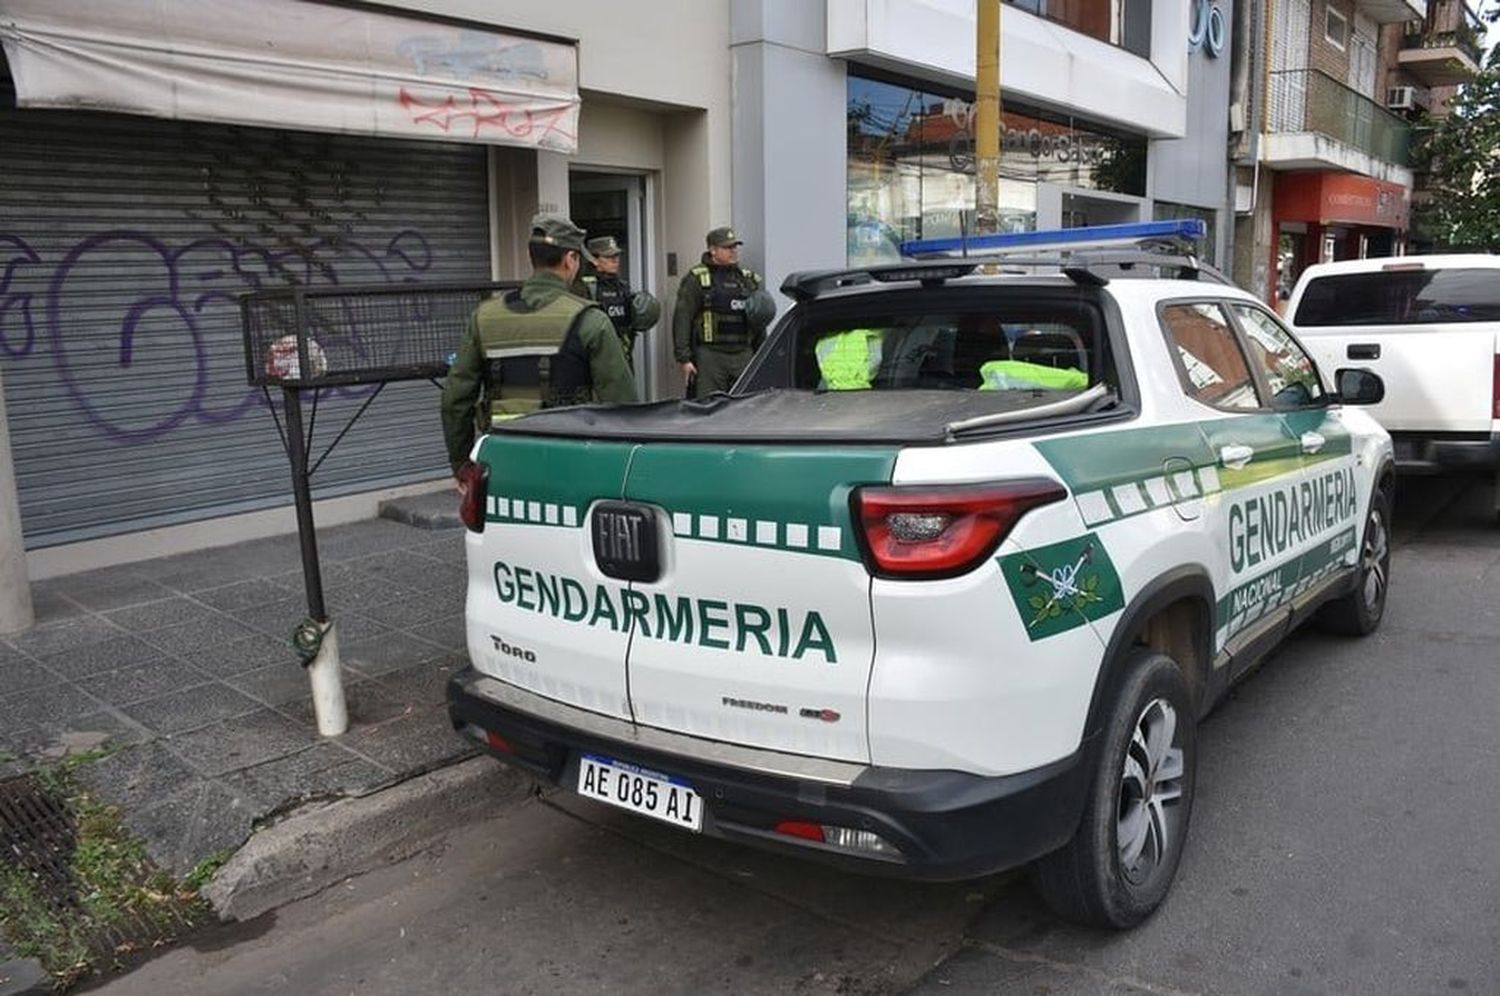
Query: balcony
x=1441, y=58
x=1392, y=11
x=1316, y=122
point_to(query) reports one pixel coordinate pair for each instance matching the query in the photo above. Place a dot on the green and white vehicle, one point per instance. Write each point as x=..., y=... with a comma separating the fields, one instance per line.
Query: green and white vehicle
x=944, y=585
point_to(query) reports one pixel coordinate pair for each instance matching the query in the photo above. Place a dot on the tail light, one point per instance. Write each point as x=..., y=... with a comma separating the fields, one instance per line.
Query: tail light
x=1495, y=390
x=474, y=486
x=946, y=530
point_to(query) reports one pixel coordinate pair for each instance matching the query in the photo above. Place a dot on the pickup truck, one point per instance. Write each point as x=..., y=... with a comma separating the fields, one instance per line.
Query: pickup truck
x=1430, y=327
x=945, y=583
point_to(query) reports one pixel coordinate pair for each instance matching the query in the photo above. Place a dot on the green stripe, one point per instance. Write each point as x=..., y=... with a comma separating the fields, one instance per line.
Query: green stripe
x=1104, y=459
x=565, y=472
x=783, y=484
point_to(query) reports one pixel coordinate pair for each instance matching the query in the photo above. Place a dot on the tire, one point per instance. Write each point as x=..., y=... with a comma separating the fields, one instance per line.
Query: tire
x=1121, y=861
x=1359, y=612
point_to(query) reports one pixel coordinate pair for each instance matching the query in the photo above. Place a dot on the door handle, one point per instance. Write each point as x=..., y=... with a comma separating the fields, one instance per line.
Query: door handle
x=1234, y=456
x=1312, y=442
x=1363, y=351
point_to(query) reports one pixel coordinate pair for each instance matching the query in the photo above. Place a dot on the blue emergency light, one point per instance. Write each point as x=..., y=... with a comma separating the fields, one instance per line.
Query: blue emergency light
x=1087, y=236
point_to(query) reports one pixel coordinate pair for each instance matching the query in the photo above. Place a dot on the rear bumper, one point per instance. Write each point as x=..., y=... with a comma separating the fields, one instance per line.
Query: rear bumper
x=1420, y=453
x=947, y=825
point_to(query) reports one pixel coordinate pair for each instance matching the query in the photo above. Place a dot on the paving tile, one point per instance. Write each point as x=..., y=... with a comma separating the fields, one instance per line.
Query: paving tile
x=199, y=820
x=44, y=706
x=389, y=652
x=122, y=686
x=50, y=741
x=405, y=569
x=119, y=652
x=324, y=769
x=355, y=627
x=137, y=776
x=277, y=617
x=367, y=703
x=413, y=744
x=424, y=684
x=242, y=595
x=408, y=612
x=275, y=685
x=190, y=708
x=175, y=611
x=195, y=638
x=240, y=656
x=19, y=673
x=110, y=588
x=449, y=632
x=241, y=742
x=41, y=641
x=361, y=596
x=361, y=539
x=49, y=604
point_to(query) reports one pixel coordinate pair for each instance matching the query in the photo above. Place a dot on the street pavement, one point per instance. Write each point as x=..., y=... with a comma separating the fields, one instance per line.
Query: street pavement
x=1342, y=842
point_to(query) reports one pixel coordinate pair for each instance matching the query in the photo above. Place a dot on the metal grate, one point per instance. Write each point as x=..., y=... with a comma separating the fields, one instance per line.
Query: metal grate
x=356, y=335
x=38, y=837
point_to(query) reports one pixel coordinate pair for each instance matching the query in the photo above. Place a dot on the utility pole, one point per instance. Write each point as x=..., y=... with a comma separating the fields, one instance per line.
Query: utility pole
x=987, y=119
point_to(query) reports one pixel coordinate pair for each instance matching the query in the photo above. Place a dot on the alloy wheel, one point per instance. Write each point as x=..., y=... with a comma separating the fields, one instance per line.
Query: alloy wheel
x=1149, y=818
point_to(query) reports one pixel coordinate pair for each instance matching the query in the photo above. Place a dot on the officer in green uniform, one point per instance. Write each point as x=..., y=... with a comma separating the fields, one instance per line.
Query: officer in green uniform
x=630, y=313
x=536, y=347
x=713, y=336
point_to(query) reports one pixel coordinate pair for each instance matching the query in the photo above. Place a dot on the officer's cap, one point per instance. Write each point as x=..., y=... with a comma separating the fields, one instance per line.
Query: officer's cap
x=555, y=230
x=724, y=237
x=604, y=245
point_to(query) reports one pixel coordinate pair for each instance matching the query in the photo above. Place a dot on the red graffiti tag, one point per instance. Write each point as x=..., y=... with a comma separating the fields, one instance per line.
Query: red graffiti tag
x=484, y=109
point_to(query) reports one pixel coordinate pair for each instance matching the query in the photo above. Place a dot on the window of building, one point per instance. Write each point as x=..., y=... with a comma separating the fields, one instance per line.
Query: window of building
x=1336, y=29
x=911, y=165
x=1124, y=23
x=1211, y=366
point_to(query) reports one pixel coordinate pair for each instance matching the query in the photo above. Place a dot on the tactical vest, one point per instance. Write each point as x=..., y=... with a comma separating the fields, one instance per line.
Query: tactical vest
x=532, y=358
x=721, y=318
x=613, y=296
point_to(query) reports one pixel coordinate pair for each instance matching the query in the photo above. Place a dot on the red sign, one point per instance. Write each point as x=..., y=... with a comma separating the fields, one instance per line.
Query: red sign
x=1341, y=199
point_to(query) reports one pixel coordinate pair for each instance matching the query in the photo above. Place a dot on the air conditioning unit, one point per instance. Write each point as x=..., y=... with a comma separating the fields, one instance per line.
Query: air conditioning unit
x=1402, y=98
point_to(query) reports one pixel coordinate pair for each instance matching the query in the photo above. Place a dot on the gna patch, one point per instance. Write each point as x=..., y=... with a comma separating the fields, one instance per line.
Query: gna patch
x=1062, y=586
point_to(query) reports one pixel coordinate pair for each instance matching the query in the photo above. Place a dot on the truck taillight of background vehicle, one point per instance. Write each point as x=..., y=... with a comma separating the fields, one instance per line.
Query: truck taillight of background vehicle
x=938, y=531
x=474, y=480
x=1495, y=390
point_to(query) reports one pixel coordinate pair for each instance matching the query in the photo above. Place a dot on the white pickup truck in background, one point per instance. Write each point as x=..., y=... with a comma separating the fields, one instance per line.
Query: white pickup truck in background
x=1430, y=327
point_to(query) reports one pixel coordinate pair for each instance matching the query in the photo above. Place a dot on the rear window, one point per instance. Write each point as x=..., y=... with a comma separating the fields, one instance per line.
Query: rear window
x=1408, y=297
x=990, y=345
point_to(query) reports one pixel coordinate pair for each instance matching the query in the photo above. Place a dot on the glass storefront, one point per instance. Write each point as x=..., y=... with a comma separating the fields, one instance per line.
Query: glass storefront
x=911, y=165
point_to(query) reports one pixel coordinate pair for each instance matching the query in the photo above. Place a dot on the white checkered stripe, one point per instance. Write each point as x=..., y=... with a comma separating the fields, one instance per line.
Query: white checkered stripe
x=502, y=508
x=1121, y=501
x=747, y=531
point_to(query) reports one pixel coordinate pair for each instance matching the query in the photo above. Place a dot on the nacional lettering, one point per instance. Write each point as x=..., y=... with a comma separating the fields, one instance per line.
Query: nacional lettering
x=708, y=622
x=1266, y=527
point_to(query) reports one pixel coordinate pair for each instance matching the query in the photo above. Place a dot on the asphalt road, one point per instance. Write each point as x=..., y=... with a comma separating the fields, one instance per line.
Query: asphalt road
x=1343, y=841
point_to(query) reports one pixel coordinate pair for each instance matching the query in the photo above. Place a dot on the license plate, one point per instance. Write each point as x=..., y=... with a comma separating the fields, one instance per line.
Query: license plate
x=625, y=541
x=649, y=793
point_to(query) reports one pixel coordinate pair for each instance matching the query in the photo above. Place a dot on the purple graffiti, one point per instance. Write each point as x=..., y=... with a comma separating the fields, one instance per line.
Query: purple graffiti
x=180, y=327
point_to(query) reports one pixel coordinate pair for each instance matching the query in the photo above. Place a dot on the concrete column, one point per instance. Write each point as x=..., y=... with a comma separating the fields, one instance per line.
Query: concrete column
x=15, y=588
x=789, y=139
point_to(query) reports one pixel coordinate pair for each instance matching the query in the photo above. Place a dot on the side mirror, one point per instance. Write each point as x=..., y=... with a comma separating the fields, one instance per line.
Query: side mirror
x=1357, y=386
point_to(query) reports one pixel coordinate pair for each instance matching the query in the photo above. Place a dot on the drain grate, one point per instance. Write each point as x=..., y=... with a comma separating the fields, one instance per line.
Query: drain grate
x=39, y=840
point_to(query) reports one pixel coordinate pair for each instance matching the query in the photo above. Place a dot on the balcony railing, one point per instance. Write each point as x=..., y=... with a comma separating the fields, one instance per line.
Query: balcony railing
x=1306, y=100
x=1464, y=40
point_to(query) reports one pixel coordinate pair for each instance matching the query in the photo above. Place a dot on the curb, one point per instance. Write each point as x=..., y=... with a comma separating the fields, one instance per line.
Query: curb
x=432, y=510
x=22, y=976
x=318, y=846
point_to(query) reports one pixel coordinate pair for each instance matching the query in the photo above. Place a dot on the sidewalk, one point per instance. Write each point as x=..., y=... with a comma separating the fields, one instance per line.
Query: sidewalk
x=185, y=664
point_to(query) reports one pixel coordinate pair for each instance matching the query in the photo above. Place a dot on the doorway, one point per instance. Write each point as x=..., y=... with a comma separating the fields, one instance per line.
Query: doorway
x=616, y=204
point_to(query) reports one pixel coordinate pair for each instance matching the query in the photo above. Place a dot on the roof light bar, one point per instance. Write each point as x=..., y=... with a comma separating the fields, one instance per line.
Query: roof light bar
x=1085, y=237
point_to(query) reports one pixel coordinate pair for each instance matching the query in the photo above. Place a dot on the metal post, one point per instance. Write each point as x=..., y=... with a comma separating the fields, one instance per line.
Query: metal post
x=15, y=588
x=324, y=670
x=987, y=119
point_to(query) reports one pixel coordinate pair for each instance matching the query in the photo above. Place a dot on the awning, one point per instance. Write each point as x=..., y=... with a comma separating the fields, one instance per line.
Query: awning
x=1341, y=199
x=293, y=64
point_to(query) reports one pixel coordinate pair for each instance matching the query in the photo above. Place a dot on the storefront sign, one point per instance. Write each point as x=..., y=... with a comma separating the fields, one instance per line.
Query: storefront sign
x=1208, y=29
x=1341, y=199
x=290, y=64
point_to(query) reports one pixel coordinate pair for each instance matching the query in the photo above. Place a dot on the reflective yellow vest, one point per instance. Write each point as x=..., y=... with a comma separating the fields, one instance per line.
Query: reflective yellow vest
x=848, y=360
x=1003, y=375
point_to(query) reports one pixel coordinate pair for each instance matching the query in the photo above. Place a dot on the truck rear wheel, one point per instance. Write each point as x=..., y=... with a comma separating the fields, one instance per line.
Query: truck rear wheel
x=1121, y=861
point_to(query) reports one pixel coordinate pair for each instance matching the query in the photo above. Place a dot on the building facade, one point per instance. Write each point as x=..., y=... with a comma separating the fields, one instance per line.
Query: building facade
x=314, y=145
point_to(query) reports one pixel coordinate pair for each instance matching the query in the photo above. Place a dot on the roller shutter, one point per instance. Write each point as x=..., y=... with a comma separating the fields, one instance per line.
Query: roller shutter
x=123, y=244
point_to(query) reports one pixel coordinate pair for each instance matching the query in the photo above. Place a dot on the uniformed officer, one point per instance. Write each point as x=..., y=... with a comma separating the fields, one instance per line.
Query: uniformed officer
x=536, y=347
x=630, y=313
x=721, y=316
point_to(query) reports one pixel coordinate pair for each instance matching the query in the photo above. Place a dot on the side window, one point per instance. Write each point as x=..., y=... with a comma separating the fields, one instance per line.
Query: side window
x=1213, y=366
x=1287, y=368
